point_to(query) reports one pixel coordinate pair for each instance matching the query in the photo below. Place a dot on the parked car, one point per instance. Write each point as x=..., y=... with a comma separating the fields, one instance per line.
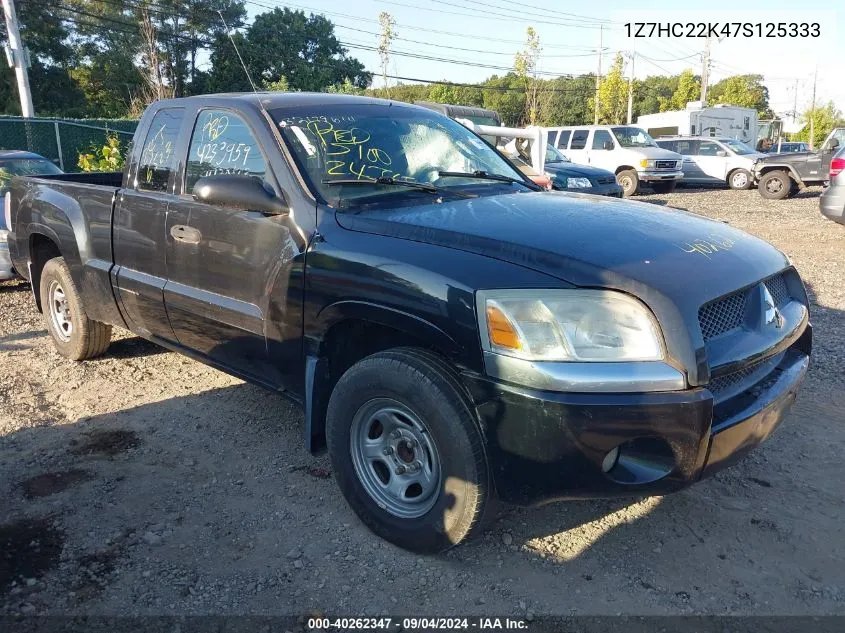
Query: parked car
x=781, y=175
x=789, y=147
x=452, y=331
x=716, y=160
x=832, y=201
x=626, y=151
x=19, y=163
x=567, y=176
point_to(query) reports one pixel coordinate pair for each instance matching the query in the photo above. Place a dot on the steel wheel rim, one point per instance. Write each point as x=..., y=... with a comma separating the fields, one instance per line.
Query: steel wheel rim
x=774, y=185
x=60, y=311
x=740, y=180
x=395, y=458
x=627, y=183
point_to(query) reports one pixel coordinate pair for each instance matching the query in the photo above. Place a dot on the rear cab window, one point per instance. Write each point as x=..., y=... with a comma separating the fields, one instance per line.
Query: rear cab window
x=223, y=143
x=157, y=163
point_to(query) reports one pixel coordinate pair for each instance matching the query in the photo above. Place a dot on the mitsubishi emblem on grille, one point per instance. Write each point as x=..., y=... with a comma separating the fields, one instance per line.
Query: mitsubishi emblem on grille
x=771, y=314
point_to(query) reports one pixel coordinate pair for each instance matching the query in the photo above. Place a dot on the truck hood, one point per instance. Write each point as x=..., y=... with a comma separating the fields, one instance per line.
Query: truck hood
x=787, y=157
x=574, y=171
x=656, y=253
x=655, y=153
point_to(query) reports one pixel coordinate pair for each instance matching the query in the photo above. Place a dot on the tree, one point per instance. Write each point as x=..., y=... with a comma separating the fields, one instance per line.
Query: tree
x=747, y=91
x=458, y=95
x=388, y=34
x=650, y=93
x=525, y=67
x=613, y=93
x=285, y=43
x=824, y=118
x=506, y=96
x=688, y=89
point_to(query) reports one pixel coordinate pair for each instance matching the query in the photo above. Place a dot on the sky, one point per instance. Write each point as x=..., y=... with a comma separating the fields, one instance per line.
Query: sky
x=490, y=32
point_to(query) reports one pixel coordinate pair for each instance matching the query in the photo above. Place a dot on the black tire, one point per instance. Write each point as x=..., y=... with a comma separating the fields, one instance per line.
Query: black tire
x=664, y=187
x=740, y=179
x=629, y=181
x=429, y=388
x=85, y=338
x=775, y=185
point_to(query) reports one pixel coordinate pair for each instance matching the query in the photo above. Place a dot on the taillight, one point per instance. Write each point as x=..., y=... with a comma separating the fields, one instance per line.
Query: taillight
x=7, y=210
x=836, y=166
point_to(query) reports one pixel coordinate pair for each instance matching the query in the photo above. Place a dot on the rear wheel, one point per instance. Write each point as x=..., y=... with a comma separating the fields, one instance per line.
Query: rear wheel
x=75, y=335
x=775, y=185
x=629, y=181
x=663, y=187
x=407, y=451
x=739, y=179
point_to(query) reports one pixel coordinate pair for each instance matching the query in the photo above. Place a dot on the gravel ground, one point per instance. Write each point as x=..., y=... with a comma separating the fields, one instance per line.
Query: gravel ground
x=145, y=483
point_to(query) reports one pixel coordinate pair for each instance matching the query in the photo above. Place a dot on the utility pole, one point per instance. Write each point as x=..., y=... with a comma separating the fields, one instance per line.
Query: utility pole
x=18, y=58
x=795, y=102
x=813, y=110
x=598, y=80
x=631, y=87
x=705, y=72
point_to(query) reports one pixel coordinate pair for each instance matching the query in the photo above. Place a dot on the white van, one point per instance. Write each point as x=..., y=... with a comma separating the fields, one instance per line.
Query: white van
x=627, y=151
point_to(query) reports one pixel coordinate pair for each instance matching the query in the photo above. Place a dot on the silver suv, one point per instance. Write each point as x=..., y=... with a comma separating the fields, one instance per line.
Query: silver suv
x=714, y=160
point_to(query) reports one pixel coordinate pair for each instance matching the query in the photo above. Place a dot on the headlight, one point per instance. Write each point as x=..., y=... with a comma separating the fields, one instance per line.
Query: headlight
x=578, y=183
x=568, y=325
x=645, y=164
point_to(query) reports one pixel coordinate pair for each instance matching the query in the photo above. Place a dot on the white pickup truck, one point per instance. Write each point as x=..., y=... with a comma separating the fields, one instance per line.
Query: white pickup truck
x=627, y=151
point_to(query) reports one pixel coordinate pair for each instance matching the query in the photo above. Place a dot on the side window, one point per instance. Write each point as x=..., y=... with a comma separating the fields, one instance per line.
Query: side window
x=579, y=139
x=158, y=157
x=600, y=137
x=222, y=143
x=707, y=148
x=686, y=148
x=563, y=141
x=670, y=145
x=551, y=137
x=747, y=122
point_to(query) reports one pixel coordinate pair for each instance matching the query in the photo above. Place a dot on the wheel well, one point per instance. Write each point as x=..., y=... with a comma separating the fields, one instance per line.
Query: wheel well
x=623, y=168
x=349, y=341
x=41, y=250
x=766, y=170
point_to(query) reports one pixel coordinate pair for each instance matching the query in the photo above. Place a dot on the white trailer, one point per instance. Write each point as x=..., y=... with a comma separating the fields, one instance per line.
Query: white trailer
x=719, y=120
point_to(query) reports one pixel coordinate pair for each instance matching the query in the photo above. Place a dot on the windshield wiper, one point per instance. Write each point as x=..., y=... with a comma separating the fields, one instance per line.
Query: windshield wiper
x=481, y=175
x=384, y=180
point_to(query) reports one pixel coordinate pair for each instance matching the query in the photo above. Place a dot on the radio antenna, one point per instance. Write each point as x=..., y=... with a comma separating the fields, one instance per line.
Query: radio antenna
x=235, y=46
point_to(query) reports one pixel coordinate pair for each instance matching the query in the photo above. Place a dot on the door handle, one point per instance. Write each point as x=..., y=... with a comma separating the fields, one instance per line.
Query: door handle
x=185, y=234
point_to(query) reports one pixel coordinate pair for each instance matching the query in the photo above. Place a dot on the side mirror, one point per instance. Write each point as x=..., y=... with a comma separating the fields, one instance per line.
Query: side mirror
x=608, y=145
x=239, y=192
x=722, y=153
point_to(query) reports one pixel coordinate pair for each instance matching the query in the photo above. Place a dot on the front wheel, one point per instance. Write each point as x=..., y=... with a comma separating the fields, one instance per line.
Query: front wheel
x=629, y=181
x=775, y=185
x=664, y=187
x=740, y=179
x=407, y=451
x=75, y=335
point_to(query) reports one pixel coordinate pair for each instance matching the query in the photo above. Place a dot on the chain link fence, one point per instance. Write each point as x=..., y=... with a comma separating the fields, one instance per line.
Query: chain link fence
x=62, y=140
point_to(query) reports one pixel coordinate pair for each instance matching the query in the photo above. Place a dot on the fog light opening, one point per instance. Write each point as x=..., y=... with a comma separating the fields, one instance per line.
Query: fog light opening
x=610, y=460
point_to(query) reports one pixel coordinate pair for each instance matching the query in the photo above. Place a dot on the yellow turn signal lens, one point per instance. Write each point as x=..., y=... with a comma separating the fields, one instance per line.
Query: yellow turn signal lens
x=644, y=163
x=502, y=332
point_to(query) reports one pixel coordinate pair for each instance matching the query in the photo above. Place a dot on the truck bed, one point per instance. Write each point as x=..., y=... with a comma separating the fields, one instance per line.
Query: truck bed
x=103, y=178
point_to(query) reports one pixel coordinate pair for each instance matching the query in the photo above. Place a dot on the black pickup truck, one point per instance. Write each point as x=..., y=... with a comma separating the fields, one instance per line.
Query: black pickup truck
x=781, y=175
x=454, y=334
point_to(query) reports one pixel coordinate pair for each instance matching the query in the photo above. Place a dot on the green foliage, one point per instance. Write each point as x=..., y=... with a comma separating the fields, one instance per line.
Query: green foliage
x=525, y=66
x=280, y=85
x=824, y=118
x=688, y=89
x=747, y=91
x=613, y=93
x=105, y=158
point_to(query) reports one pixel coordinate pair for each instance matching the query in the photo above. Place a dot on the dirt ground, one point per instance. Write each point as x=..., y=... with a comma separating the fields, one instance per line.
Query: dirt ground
x=146, y=483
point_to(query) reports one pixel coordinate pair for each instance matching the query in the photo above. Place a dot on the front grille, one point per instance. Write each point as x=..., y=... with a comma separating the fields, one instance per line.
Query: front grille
x=606, y=180
x=723, y=315
x=666, y=164
x=728, y=313
x=721, y=383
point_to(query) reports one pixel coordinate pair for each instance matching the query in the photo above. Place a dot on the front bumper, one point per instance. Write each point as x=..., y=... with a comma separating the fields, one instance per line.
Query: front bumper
x=651, y=176
x=546, y=446
x=832, y=203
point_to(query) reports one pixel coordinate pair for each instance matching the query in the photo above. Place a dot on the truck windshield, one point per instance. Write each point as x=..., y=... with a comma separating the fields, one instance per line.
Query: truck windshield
x=633, y=137
x=554, y=156
x=738, y=147
x=371, y=141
